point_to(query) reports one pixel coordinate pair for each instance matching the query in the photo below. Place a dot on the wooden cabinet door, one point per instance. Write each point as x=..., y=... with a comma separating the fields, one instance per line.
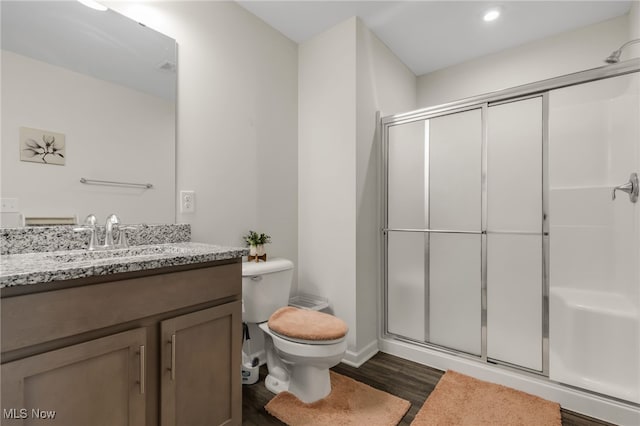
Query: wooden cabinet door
x=201, y=358
x=99, y=382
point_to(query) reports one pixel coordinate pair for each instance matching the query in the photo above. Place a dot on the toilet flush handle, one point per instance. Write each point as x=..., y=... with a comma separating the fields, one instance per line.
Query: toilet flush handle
x=256, y=278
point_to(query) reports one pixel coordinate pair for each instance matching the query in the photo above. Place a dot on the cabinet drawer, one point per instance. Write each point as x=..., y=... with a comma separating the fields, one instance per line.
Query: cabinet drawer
x=41, y=317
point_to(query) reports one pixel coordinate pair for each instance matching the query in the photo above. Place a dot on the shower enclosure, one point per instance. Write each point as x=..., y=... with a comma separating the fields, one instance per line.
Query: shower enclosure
x=502, y=242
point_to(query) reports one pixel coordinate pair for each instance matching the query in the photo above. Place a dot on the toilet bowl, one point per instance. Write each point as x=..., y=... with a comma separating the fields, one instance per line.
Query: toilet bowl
x=300, y=365
x=297, y=363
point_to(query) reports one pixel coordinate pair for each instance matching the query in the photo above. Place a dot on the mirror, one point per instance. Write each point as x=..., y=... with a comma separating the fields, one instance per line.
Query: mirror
x=86, y=94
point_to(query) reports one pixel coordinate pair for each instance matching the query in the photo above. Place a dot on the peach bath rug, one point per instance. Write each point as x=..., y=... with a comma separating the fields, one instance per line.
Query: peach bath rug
x=349, y=403
x=463, y=400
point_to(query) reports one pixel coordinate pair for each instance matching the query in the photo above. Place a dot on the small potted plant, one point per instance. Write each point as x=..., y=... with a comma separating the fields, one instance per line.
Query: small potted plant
x=256, y=244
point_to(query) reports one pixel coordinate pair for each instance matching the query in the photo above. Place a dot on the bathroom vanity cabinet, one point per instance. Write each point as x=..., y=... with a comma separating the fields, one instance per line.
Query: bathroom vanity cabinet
x=156, y=347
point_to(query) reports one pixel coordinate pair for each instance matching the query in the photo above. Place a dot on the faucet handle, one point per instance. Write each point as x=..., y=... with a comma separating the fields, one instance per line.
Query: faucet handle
x=91, y=220
x=113, y=219
x=122, y=235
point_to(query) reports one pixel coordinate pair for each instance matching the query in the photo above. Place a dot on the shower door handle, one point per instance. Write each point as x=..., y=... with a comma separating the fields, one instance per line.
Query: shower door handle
x=631, y=188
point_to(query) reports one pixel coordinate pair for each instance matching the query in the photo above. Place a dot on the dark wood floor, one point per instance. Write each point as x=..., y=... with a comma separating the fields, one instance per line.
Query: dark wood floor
x=406, y=379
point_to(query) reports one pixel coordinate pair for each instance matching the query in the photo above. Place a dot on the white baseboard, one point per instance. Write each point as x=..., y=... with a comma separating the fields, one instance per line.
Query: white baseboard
x=356, y=359
x=592, y=405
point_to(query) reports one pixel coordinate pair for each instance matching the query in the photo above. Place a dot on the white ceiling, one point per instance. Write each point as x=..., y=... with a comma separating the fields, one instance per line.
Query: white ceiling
x=430, y=35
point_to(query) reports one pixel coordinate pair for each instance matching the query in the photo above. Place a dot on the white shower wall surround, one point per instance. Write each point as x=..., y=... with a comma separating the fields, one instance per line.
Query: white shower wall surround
x=504, y=253
x=595, y=244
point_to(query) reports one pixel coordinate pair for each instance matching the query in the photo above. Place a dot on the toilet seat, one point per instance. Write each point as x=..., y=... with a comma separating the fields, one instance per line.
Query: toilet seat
x=307, y=342
x=308, y=327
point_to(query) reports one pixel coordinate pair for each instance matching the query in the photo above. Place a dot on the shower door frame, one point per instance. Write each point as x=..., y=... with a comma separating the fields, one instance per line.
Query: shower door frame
x=531, y=90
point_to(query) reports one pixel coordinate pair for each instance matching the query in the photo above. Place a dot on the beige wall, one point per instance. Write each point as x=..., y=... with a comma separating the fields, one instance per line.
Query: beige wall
x=565, y=53
x=345, y=75
x=385, y=84
x=237, y=120
x=326, y=169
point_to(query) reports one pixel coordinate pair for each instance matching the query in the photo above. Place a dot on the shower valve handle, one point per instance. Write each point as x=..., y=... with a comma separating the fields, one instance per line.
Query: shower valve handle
x=631, y=188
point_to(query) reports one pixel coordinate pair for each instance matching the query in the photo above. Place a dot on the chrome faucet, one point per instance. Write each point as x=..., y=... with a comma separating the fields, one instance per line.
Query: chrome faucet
x=112, y=221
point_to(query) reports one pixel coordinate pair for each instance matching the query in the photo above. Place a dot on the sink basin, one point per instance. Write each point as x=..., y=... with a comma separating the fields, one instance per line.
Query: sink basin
x=86, y=255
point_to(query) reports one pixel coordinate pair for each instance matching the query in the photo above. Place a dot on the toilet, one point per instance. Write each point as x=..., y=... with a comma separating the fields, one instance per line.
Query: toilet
x=300, y=345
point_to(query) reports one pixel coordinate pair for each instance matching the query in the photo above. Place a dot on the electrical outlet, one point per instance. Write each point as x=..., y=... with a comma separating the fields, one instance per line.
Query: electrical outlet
x=187, y=202
x=9, y=205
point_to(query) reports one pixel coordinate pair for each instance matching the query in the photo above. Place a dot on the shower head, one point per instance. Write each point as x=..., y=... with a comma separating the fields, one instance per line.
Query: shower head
x=614, y=58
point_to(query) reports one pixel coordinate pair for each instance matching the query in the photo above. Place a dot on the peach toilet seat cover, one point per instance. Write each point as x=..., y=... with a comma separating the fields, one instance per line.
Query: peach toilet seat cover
x=307, y=325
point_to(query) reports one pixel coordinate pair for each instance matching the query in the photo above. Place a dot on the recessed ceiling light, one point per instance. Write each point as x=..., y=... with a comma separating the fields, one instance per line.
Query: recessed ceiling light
x=491, y=15
x=93, y=5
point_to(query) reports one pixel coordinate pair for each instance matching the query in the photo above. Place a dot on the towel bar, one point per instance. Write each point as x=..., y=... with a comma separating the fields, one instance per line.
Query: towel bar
x=110, y=182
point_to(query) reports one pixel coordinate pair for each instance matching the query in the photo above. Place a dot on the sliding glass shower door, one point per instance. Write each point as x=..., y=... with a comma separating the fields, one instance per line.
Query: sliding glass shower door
x=434, y=232
x=515, y=234
x=455, y=230
x=465, y=232
x=511, y=229
x=407, y=242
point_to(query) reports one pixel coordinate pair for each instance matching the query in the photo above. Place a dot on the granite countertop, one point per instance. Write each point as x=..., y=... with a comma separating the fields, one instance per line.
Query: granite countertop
x=44, y=267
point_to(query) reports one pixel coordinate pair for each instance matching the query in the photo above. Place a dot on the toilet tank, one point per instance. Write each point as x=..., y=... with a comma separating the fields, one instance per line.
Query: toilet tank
x=265, y=288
